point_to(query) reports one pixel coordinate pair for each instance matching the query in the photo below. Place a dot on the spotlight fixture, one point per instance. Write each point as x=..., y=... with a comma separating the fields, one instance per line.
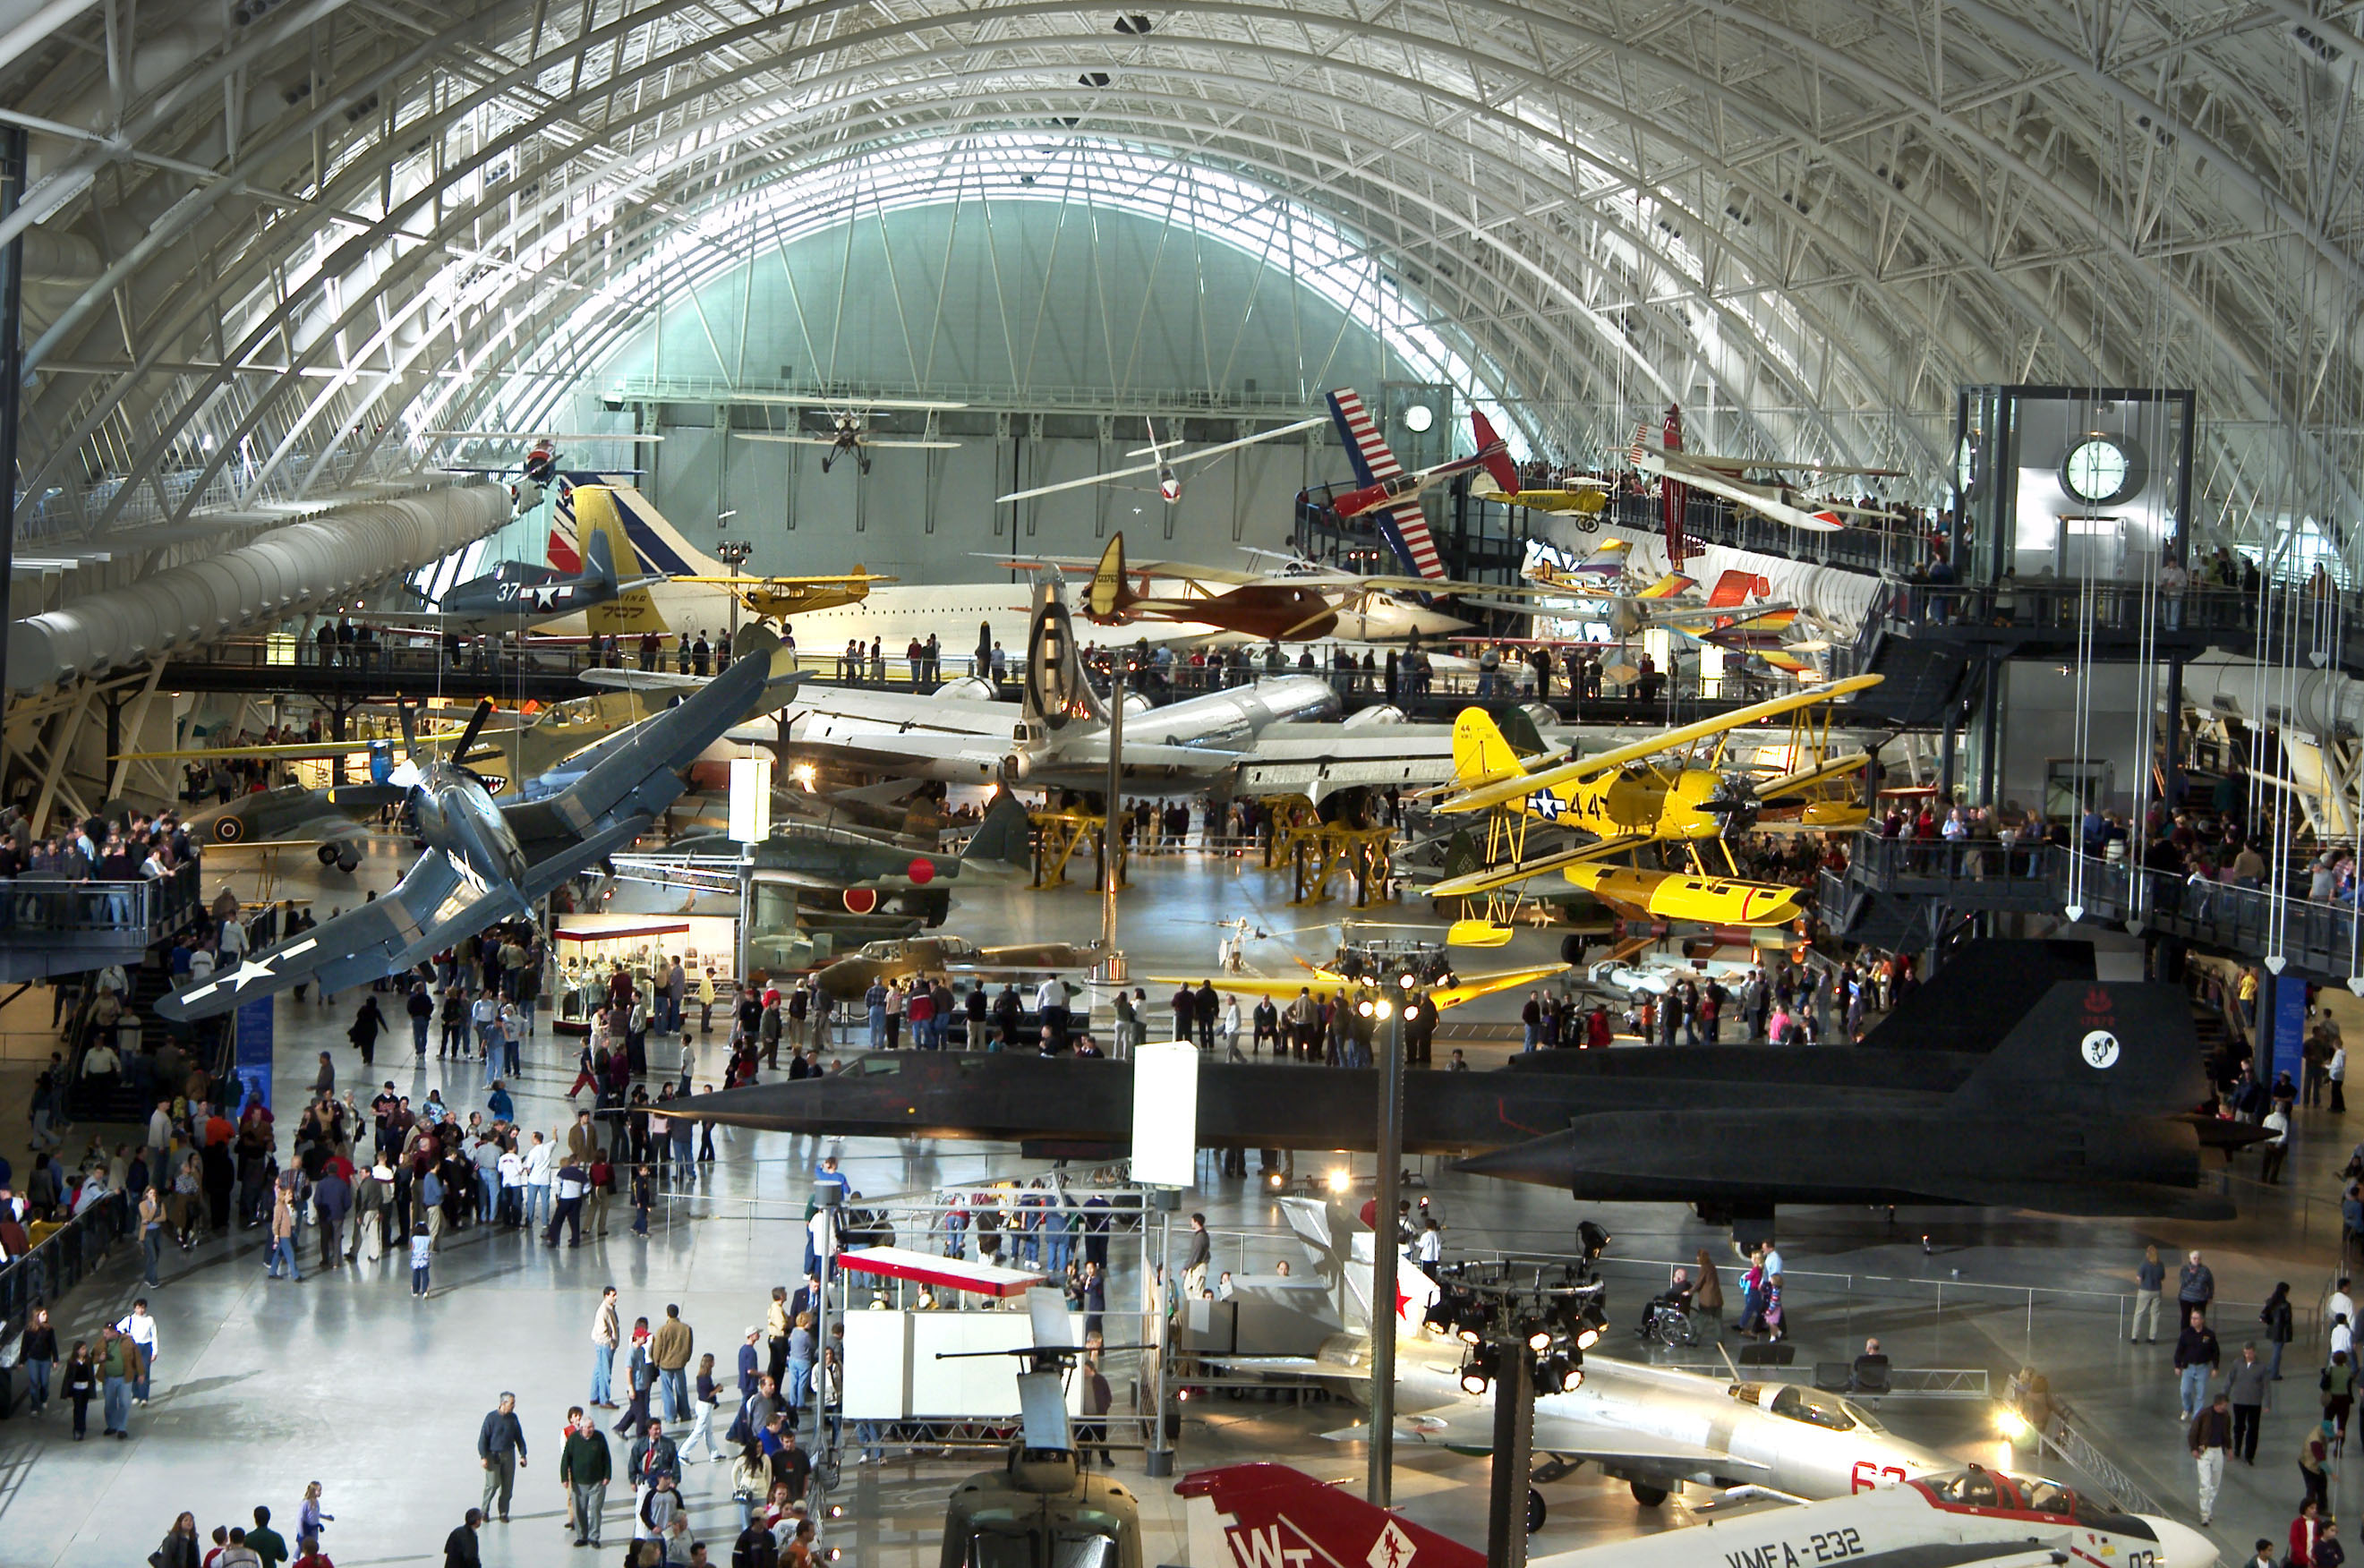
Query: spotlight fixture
x=1589, y=1324
x=1477, y=1371
x=1539, y=1338
x=1592, y=1238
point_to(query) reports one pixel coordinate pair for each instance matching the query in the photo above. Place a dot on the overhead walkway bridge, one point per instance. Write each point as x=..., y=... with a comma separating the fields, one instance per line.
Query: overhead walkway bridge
x=1906, y=896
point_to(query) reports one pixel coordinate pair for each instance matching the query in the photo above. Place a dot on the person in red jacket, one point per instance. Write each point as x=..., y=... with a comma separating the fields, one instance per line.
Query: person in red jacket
x=2302, y=1533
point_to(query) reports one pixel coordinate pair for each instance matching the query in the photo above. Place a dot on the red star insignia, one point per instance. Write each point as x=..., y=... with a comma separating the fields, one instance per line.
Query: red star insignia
x=1402, y=1301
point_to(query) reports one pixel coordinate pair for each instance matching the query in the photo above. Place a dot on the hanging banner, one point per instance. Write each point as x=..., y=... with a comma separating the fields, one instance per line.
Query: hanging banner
x=252, y=1064
x=2283, y=1004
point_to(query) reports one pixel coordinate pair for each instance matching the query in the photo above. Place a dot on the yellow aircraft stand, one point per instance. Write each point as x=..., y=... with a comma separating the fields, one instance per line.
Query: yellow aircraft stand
x=1057, y=836
x=1317, y=856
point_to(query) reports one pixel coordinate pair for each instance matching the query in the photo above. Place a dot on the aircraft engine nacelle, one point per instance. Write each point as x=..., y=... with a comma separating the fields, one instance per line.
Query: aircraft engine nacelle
x=1373, y=718
x=969, y=688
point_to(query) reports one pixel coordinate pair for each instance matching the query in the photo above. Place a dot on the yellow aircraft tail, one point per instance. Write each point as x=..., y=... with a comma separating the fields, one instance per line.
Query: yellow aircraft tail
x=1481, y=754
x=634, y=611
x=1106, y=596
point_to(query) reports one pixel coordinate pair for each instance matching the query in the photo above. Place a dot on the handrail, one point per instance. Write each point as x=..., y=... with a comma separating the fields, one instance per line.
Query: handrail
x=2070, y=1446
x=61, y=1259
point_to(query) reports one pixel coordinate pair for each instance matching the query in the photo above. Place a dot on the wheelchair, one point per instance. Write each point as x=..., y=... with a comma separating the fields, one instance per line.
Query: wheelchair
x=1667, y=1320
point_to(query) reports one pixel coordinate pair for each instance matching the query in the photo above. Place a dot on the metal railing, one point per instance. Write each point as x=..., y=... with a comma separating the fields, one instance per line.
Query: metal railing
x=63, y=1259
x=2070, y=1445
x=2319, y=938
x=38, y=906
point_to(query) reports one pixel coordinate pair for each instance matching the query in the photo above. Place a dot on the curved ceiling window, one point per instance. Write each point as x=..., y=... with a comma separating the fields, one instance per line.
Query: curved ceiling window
x=704, y=273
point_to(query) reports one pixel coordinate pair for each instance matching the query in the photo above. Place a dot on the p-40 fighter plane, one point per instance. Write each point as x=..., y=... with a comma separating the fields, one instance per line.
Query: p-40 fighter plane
x=1269, y=1516
x=1645, y=794
x=488, y=861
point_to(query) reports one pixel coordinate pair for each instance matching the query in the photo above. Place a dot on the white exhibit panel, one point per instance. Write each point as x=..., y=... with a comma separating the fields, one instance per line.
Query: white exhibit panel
x=1165, y=1115
x=750, y=799
x=892, y=1373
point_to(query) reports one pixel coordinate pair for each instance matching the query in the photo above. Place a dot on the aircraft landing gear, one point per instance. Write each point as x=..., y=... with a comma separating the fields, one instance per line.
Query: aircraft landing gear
x=1648, y=1496
x=1536, y=1511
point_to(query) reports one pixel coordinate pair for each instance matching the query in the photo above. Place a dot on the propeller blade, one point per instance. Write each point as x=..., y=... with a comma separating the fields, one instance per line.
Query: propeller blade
x=476, y=723
x=403, y=715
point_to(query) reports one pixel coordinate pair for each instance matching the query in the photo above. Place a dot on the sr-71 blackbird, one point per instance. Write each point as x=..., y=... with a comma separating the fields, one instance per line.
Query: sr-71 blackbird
x=2083, y=1106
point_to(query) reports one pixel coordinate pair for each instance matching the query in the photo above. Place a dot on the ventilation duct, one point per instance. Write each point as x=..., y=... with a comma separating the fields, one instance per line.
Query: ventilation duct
x=285, y=572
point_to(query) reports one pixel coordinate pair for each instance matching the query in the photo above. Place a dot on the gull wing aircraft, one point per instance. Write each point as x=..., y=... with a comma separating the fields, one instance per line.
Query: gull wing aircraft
x=487, y=862
x=848, y=432
x=1169, y=484
x=1390, y=495
x=1649, y=792
x=1973, y=1517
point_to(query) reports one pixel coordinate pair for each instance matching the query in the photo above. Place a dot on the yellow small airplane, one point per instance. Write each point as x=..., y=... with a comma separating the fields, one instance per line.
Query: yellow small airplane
x=1324, y=982
x=1650, y=793
x=1580, y=498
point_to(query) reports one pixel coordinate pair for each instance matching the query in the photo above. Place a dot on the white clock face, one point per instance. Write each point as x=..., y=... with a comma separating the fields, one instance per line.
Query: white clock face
x=1418, y=417
x=2097, y=471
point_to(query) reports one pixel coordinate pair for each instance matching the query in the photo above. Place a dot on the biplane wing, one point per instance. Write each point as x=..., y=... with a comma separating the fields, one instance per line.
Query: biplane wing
x=1506, y=790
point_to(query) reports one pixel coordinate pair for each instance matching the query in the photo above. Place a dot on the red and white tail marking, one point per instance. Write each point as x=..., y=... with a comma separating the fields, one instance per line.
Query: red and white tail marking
x=1641, y=442
x=1376, y=453
x=1413, y=524
x=1268, y=1516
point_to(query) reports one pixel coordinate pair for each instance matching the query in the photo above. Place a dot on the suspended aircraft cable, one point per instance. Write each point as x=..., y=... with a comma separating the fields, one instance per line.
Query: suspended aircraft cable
x=2088, y=799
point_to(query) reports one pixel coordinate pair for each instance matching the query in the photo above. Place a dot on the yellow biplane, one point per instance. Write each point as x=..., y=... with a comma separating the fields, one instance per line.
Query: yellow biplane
x=1674, y=789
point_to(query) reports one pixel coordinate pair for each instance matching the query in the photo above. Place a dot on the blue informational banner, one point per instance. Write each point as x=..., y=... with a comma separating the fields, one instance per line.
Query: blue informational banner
x=252, y=1064
x=2283, y=998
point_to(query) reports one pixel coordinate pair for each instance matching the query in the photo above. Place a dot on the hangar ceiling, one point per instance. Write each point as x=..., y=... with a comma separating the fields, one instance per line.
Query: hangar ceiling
x=276, y=242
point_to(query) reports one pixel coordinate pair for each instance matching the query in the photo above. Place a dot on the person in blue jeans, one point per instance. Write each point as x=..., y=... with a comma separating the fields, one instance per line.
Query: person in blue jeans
x=2196, y=1358
x=422, y=1254
x=801, y=1362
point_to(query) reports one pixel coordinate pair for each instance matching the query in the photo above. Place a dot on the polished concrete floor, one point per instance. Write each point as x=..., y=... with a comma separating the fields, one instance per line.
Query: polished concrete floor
x=262, y=1386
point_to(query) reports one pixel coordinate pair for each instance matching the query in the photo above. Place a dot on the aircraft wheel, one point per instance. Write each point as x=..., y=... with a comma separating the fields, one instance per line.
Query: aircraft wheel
x=1572, y=949
x=350, y=863
x=1648, y=1496
x=1536, y=1511
x=327, y=853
